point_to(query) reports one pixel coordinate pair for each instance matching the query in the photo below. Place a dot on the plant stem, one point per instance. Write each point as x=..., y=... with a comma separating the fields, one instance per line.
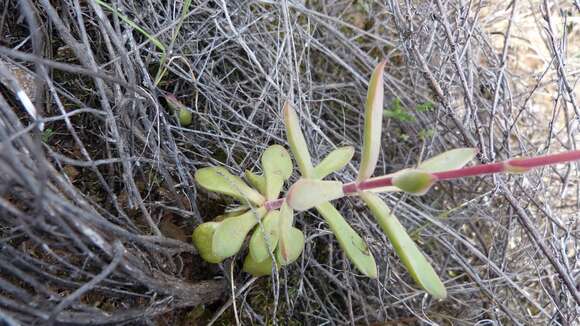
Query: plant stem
x=513, y=165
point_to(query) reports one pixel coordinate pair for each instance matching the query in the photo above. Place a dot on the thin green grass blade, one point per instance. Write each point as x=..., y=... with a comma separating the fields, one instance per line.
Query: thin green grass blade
x=131, y=23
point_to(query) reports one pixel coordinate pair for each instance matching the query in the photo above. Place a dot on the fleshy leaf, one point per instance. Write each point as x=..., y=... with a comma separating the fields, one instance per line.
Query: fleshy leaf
x=307, y=193
x=257, y=181
x=413, y=181
x=385, y=189
x=351, y=243
x=290, y=243
x=286, y=218
x=277, y=167
x=232, y=212
x=265, y=237
x=290, y=246
x=231, y=232
x=450, y=160
x=373, y=124
x=278, y=159
x=185, y=117
x=296, y=140
x=420, y=269
x=173, y=104
x=258, y=268
x=333, y=162
x=202, y=240
x=220, y=180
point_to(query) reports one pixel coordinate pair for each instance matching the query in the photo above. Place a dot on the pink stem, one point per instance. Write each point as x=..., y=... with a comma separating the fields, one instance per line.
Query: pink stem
x=517, y=164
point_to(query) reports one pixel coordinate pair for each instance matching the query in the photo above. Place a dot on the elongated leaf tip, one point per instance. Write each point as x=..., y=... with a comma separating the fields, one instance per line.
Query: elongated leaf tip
x=296, y=140
x=417, y=265
x=373, y=123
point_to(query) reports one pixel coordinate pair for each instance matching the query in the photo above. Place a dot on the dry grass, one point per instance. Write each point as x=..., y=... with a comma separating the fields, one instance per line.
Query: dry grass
x=95, y=208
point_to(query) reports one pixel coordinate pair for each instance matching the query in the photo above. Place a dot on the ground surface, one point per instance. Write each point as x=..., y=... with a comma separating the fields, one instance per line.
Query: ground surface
x=96, y=210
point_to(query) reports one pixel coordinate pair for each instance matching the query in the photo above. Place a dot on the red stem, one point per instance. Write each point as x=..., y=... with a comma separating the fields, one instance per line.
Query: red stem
x=513, y=165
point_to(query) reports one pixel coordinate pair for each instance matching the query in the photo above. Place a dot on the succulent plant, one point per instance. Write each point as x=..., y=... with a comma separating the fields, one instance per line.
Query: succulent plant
x=276, y=242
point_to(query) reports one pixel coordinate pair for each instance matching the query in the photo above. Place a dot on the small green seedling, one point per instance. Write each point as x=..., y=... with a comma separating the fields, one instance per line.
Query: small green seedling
x=182, y=112
x=276, y=242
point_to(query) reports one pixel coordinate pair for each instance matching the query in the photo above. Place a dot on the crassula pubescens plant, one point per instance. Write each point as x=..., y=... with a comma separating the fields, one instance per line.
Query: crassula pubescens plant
x=275, y=242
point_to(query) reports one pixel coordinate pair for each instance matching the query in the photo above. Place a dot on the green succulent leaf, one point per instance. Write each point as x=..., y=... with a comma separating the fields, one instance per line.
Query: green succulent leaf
x=183, y=113
x=202, y=240
x=449, y=160
x=296, y=140
x=290, y=246
x=307, y=193
x=265, y=237
x=173, y=104
x=256, y=181
x=286, y=218
x=413, y=181
x=232, y=212
x=258, y=268
x=231, y=232
x=373, y=124
x=421, y=271
x=277, y=167
x=351, y=243
x=220, y=180
x=185, y=117
x=291, y=240
x=333, y=162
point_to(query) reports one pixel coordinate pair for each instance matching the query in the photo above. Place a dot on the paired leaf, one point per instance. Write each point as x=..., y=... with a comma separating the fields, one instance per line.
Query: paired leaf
x=351, y=243
x=203, y=239
x=277, y=167
x=449, y=160
x=265, y=237
x=297, y=141
x=290, y=246
x=231, y=232
x=258, y=268
x=307, y=193
x=415, y=262
x=220, y=180
x=333, y=162
x=373, y=124
x=415, y=182
x=256, y=181
x=291, y=240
